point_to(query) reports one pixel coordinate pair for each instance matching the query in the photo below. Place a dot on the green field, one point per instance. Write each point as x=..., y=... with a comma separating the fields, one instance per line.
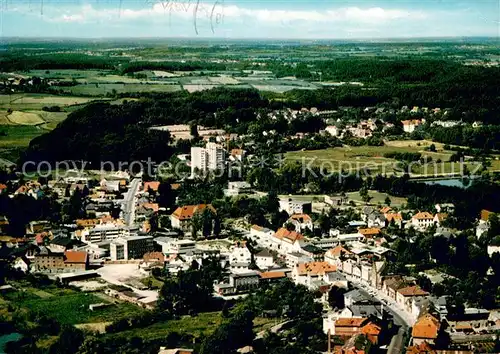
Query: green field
x=198, y=326
x=103, y=89
x=372, y=158
x=69, y=306
x=24, y=102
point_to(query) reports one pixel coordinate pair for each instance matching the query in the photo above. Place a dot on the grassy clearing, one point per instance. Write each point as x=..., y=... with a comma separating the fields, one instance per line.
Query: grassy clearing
x=15, y=136
x=103, y=89
x=372, y=158
x=377, y=198
x=25, y=118
x=70, y=307
x=26, y=102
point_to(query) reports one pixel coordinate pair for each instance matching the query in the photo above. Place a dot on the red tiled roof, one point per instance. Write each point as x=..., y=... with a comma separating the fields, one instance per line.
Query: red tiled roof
x=315, y=268
x=75, y=257
x=385, y=210
x=414, y=290
x=301, y=217
x=371, y=329
x=423, y=215
x=426, y=327
x=290, y=235
x=337, y=251
x=153, y=185
x=186, y=212
x=393, y=216
x=272, y=275
x=485, y=214
x=369, y=232
x=350, y=322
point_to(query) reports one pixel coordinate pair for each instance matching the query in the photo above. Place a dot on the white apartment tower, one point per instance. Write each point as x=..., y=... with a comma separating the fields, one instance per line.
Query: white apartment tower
x=210, y=158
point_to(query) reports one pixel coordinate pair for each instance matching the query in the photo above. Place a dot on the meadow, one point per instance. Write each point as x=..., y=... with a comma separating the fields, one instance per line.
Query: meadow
x=70, y=306
x=371, y=158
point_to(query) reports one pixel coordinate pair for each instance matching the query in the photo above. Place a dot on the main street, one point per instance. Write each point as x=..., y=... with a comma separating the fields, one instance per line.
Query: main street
x=129, y=201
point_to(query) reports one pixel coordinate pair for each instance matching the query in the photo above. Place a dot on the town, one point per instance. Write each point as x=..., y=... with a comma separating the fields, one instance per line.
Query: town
x=223, y=195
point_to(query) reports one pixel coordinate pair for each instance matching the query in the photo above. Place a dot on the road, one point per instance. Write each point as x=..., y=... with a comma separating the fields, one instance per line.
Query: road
x=401, y=317
x=397, y=342
x=129, y=201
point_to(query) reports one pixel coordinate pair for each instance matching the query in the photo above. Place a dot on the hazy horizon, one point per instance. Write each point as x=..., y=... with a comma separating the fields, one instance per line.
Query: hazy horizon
x=251, y=19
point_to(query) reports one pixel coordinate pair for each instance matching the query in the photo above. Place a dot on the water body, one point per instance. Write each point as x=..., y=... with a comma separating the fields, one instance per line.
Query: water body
x=11, y=337
x=451, y=182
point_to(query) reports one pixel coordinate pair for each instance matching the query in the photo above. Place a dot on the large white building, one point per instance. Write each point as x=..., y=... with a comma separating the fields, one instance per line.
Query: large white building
x=132, y=247
x=210, y=158
x=292, y=206
x=104, y=232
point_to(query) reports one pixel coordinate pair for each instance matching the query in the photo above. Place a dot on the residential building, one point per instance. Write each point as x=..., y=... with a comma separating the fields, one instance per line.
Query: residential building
x=422, y=220
x=239, y=282
x=237, y=188
x=104, y=232
x=409, y=126
x=237, y=155
x=473, y=320
x=336, y=200
x=272, y=276
x=426, y=329
x=132, y=247
x=370, y=233
x=333, y=130
x=292, y=206
x=294, y=258
x=285, y=241
x=69, y=261
x=348, y=327
x=312, y=274
x=494, y=247
x=372, y=332
x=175, y=246
x=404, y=296
x=264, y=259
x=22, y=264
x=210, y=158
x=301, y=222
x=182, y=216
x=151, y=186
x=261, y=234
x=336, y=255
x=439, y=218
x=394, y=218
x=240, y=254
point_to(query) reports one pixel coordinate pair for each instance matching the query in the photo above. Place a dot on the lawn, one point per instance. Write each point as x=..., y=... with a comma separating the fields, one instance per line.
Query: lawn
x=69, y=306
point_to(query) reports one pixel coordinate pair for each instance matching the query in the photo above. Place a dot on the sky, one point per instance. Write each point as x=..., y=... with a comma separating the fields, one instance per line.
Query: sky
x=274, y=19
